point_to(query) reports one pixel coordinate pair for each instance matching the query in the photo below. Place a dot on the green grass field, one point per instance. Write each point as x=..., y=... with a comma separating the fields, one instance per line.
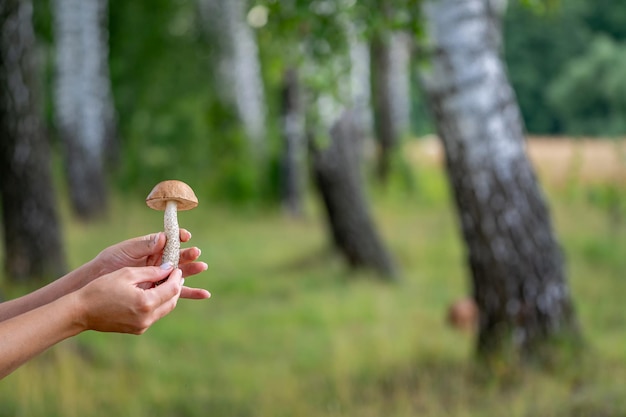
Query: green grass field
x=290, y=331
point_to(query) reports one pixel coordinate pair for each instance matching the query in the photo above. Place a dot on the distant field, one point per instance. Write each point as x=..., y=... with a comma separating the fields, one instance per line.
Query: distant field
x=558, y=160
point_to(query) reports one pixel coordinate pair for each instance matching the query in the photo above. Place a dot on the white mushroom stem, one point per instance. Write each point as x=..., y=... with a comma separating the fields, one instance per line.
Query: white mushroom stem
x=171, y=253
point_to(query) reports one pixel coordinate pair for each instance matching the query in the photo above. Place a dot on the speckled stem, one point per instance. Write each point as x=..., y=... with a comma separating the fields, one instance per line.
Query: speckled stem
x=171, y=253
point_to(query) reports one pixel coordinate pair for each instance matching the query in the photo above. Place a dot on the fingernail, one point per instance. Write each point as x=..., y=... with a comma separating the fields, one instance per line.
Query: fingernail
x=156, y=238
x=166, y=265
x=182, y=282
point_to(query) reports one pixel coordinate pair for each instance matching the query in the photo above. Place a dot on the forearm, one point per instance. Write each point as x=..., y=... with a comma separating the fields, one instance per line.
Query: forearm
x=51, y=292
x=27, y=335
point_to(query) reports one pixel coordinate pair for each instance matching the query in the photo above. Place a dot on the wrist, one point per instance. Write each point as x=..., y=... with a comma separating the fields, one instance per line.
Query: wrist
x=78, y=313
x=89, y=272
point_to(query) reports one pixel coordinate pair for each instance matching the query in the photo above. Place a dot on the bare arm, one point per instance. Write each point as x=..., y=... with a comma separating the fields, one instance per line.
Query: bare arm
x=141, y=251
x=123, y=301
x=56, y=289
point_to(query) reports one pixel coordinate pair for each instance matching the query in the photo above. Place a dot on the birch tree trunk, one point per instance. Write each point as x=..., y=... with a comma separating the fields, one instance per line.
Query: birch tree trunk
x=337, y=173
x=238, y=68
x=391, y=87
x=516, y=264
x=294, y=149
x=83, y=100
x=32, y=234
x=360, y=80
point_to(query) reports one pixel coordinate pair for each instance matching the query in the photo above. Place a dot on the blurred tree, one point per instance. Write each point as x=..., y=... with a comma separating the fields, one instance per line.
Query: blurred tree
x=83, y=100
x=329, y=61
x=360, y=77
x=32, y=234
x=158, y=74
x=337, y=173
x=391, y=89
x=294, y=147
x=237, y=71
x=518, y=275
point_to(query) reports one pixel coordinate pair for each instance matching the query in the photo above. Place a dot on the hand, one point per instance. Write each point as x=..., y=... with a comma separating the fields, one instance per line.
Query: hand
x=147, y=251
x=126, y=300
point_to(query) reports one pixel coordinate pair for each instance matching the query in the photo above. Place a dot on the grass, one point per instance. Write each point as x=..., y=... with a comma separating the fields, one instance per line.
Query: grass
x=290, y=331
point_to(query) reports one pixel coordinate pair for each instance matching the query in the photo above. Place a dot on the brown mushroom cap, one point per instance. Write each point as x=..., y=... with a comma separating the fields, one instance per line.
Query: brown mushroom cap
x=172, y=190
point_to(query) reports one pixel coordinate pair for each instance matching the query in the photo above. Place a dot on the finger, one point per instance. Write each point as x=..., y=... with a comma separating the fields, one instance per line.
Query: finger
x=193, y=268
x=194, y=293
x=148, y=245
x=189, y=255
x=167, y=294
x=150, y=274
x=185, y=235
x=174, y=281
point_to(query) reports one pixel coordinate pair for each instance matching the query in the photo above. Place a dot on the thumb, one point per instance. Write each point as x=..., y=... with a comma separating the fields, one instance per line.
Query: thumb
x=145, y=246
x=153, y=274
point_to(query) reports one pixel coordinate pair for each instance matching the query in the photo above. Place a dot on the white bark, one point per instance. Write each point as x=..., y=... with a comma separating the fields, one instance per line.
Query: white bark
x=239, y=68
x=516, y=264
x=399, y=81
x=391, y=94
x=83, y=98
x=360, y=81
x=84, y=109
x=474, y=65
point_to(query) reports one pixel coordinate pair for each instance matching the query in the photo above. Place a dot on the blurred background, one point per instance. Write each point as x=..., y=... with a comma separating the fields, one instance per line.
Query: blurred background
x=407, y=207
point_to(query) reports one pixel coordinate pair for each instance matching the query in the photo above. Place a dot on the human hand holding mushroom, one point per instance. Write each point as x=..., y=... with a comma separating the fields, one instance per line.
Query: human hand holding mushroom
x=148, y=251
x=115, y=292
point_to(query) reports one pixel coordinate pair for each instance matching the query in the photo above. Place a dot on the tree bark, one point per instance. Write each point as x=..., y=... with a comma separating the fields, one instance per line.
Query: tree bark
x=360, y=79
x=237, y=69
x=83, y=101
x=391, y=94
x=337, y=174
x=516, y=264
x=294, y=139
x=32, y=234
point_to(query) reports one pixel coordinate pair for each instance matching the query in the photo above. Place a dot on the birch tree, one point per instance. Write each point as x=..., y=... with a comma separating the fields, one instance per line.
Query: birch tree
x=293, y=156
x=391, y=93
x=516, y=264
x=83, y=100
x=237, y=71
x=341, y=113
x=33, y=247
x=337, y=173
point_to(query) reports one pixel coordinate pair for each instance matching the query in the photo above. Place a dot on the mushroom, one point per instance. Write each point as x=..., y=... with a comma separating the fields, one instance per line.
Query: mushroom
x=171, y=196
x=463, y=314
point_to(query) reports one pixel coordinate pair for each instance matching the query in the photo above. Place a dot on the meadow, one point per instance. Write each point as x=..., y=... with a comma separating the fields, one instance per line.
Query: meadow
x=289, y=331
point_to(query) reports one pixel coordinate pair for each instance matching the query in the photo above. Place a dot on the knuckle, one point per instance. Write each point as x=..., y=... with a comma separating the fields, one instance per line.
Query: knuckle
x=145, y=307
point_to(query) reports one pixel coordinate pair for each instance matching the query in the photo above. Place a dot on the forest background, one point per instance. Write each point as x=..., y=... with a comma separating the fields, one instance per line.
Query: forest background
x=563, y=62
x=290, y=330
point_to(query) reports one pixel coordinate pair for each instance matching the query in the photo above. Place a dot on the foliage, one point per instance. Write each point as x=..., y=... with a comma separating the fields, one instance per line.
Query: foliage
x=589, y=95
x=545, y=52
x=536, y=48
x=169, y=117
x=171, y=121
